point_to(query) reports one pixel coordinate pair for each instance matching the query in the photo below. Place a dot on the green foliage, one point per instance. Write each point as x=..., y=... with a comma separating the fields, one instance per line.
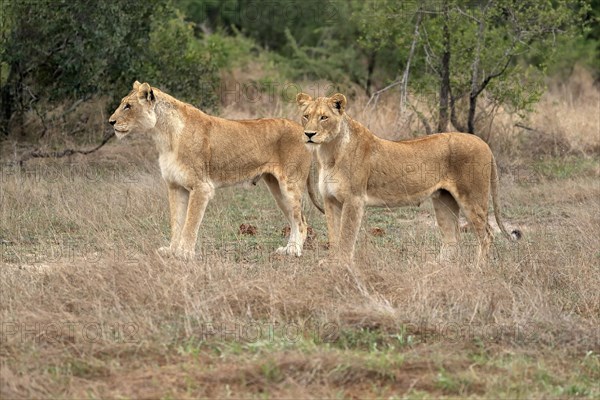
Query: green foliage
x=501, y=47
x=324, y=52
x=308, y=39
x=179, y=63
x=229, y=51
x=59, y=52
x=318, y=63
x=55, y=52
x=575, y=49
x=265, y=22
x=385, y=28
x=67, y=49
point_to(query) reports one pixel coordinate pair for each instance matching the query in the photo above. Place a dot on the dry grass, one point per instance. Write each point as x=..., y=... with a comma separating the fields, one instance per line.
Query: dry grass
x=88, y=309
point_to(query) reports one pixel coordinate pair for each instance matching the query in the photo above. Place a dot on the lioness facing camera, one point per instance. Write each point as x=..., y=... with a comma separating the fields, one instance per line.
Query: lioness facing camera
x=198, y=153
x=358, y=169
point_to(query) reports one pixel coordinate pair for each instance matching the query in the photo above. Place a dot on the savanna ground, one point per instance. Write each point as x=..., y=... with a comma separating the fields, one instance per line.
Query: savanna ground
x=89, y=310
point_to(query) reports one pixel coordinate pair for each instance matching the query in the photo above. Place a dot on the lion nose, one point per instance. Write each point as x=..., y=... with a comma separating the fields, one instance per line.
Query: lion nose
x=112, y=121
x=310, y=134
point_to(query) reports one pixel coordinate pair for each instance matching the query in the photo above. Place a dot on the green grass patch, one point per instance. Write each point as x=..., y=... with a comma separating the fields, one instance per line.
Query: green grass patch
x=565, y=167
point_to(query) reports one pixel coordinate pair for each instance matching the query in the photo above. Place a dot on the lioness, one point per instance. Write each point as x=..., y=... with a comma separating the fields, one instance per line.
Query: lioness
x=358, y=169
x=198, y=153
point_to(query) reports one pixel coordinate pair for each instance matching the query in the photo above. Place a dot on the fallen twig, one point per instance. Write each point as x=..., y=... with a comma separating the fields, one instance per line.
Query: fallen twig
x=66, y=152
x=527, y=128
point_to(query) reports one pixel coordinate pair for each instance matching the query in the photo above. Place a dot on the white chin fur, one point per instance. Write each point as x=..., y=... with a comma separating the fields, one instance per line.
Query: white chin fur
x=121, y=135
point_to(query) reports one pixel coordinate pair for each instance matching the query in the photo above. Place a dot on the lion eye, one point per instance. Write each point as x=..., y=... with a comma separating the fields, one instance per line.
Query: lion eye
x=305, y=116
x=127, y=106
x=323, y=117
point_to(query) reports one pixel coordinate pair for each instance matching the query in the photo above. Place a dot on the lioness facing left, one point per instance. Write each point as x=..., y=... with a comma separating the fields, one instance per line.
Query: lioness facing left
x=358, y=169
x=198, y=153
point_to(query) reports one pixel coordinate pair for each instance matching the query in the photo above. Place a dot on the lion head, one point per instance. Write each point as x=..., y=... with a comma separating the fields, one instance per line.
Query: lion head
x=136, y=113
x=322, y=117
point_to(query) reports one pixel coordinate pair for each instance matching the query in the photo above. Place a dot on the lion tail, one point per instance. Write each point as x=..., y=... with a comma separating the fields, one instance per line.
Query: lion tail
x=515, y=234
x=312, y=194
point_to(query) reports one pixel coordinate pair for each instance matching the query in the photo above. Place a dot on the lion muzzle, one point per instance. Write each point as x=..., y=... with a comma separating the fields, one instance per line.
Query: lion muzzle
x=309, y=135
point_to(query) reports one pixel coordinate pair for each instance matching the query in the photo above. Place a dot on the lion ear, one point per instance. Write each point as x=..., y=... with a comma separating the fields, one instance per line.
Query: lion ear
x=145, y=92
x=136, y=85
x=303, y=99
x=338, y=101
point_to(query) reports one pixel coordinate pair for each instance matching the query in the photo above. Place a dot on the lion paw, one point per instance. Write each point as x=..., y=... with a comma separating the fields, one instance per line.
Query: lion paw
x=291, y=249
x=185, y=254
x=165, y=251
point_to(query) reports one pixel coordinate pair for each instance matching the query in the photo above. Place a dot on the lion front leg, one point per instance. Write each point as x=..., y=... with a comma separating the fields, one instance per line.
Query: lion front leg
x=178, y=204
x=351, y=218
x=198, y=200
x=333, y=213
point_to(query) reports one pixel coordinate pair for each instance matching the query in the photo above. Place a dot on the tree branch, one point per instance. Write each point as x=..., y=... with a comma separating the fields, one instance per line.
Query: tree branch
x=527, y=128
x=66, y=152
x=375, y=96
x=430, y=56
x=64, y=113
x=404, y=86
x=509, y=55
x=460, y=11
x=404, y=80
x=494, y=75
x=422, y=118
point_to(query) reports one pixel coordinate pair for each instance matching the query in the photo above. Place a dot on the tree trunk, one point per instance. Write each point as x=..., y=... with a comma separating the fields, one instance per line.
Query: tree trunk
x=8, y=99
x=475, y=88
x=6, y=108
x=445, y=75
x=471, y=117
x=405, y=75
x=370, y=69
x=453, y=117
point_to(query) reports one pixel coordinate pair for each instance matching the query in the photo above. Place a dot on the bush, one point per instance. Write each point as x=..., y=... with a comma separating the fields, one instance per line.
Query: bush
x=181, y=64
x=61, y=53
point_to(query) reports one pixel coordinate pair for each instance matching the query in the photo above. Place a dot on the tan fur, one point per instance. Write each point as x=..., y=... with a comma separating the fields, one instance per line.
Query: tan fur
x=199, y=153
x=358, y=169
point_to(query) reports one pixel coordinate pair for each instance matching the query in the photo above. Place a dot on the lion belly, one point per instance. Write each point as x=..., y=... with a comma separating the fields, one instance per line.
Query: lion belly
x=393, y=187
x=398, y=200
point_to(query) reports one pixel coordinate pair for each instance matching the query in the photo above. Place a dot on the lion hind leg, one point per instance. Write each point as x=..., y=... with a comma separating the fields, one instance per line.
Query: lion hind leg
x=477, y=217
x=446, y=212
x=289, y=200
